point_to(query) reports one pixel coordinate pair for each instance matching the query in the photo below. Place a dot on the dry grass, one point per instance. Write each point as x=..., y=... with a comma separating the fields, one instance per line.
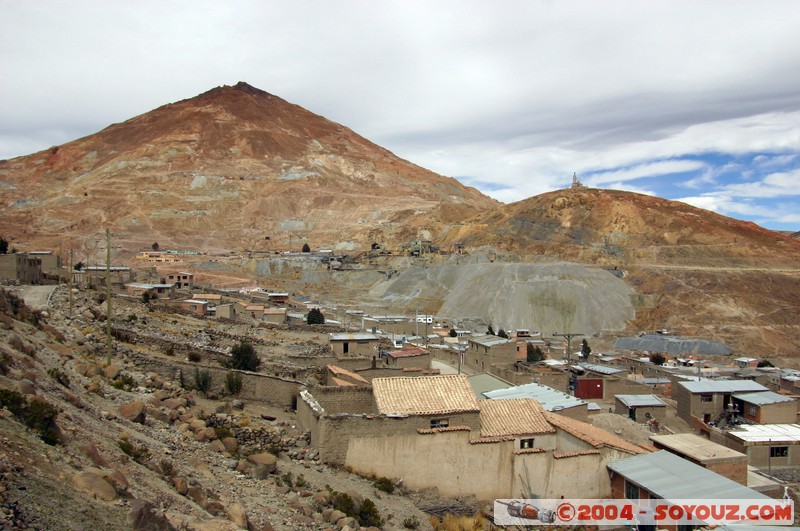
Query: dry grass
x=459, y=523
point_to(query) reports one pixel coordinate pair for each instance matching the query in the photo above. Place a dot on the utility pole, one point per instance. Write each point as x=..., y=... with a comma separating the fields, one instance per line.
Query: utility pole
x=108, y=296
x=568, y=337
x=71, y=273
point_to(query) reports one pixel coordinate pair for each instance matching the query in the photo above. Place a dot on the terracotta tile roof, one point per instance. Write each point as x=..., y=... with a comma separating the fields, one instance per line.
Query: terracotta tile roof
x=562, y=455
x=530, y=451
x=484, y=440
x=424, y=395
x=595, y=436
x=348, y=374
x=428, y=431
x=408, y=353
x=254, y=308
x=342, y=383
x=513, y=416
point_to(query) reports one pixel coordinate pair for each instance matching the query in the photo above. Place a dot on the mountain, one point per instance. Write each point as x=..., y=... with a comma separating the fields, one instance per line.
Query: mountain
x=232, y=168
x=615, y=227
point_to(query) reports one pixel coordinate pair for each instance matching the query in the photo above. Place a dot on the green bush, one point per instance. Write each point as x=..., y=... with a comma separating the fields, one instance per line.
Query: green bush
x=344, y=503
x=315, y=316
x=369, y=516
x=411, y=523
x=221, y=432
x=384, y=484
x=194, y=357
x=125, y=382
x=202, y=381
x=59, y=376
x=233, y=383
x=138, y=453
x=244, y=358
x=38, y=415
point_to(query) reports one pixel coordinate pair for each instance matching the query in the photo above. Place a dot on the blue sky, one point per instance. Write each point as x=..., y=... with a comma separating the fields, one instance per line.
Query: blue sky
x=696, y=101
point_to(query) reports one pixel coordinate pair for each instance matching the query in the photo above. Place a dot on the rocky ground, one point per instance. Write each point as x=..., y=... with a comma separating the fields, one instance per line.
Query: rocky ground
x=130, y=449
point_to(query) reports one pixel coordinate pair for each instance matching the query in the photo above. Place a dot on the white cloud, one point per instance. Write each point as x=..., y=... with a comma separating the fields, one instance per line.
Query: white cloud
x=650, y=169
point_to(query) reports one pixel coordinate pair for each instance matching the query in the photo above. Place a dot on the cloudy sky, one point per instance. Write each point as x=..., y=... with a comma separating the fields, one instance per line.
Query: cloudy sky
x=691, y=100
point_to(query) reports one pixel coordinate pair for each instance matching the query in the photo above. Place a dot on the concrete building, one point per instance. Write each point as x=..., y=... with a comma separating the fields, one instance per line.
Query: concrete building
x=767, y=446
x=409, y=357
x=51, y=263
x=21, y=267
x=154, y=291
x=275, y=315
x=486, y=350
x=182, y=280
x=194, y=306
x=641, y=408
x=352, y=345
x=766, y=407
x=709, y=400
x=705, y=453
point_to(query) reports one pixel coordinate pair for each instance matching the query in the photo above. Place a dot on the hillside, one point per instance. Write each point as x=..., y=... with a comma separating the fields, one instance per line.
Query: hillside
x=232, y=168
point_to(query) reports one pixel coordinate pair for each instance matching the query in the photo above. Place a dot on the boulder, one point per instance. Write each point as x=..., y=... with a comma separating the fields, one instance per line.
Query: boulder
x=134, y=411
x=230, y=444
x=180, y=485
x=217, y=446
x=93, y=483
x=335, y=516
x=238, y=515
x=143, y=516
x=26, y=387
x=112, y=371
x=91, y=451
x=197, y=495
x=173, y=403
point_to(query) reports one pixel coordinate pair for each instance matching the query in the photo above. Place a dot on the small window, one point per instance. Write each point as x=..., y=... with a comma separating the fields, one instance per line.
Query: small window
x=706, y=398
x=779, y=451
x=631, y=490
x=440, y=423
x=525, y=443
x=752, y=409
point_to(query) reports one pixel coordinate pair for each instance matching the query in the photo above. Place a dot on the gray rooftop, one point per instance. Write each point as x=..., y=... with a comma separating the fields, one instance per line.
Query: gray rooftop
x=354, y=337
x=483, y=383
x=668, y=476
x=641, y=400
x=549, y=398
x=723, y=386
x=766, y=433
x=488, y=340
x=600, y=369
x=763, y=398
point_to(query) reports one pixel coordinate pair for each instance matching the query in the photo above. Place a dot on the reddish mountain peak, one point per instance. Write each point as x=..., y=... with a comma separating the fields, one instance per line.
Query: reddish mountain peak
x=241, y=86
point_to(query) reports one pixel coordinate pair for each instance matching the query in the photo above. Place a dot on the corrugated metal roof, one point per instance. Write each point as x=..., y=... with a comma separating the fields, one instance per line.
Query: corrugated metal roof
x=668, y=476
x=762, y=398
x=488, y=340
x=353, y=337
x=519, y=416
x=641, y=400
x=601, y=369
x=776, y=433
x=722, y=386
x=549, y=398
x=483, y=383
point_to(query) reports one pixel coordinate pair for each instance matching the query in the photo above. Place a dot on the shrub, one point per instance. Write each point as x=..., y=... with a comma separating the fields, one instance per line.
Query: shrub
x=384, y=484
x=194, y=357
x=657, y=358
x=411, y=522
x=167, y=468
x=38, y=415
x=343, y=502
x=369, y=516
x=244, y=357
x=534, y=353
x=315, y=316
x=221, y=432
x=125, y=382
x=202, y=381
x=233, y=383
x=59, y=376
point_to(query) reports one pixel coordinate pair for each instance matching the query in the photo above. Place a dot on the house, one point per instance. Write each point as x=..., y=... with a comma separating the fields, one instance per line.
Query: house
x=767, y=446
x=275, y=315
x=409, y=357
x=746, y=362
x=710, y=400
x=550, y=399
x=181, y=280
x=194, y=306
x=488, y=449
x=92, y=276
x=641, y=408
x=254, y=311
x=226, y=311
x=51, y=263
x=212, y=298
x=705, y=453
x=766, y=407
x=483, y=351
x=353, y=345
x=664, y=475
x=153, y=291
x=18, y=266
x=278, y=297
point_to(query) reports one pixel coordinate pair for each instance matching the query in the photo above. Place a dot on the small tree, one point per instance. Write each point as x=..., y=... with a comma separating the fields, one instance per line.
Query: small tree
x=657, y=358
x=315, y=316
x=78, y=266
x=534, y=353
x=306, y=248
x=453, y=332
x=765, y=363
x=585, y=349
x=233, y=383
x=146, y=297
x=3, y=246
x=244, y=357
x=490, y=331
x=202, y=380
x=502, y=333
x=156, y=247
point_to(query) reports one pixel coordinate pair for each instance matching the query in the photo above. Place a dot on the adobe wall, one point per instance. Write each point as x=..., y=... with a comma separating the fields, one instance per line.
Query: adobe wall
x=381, y=371
x=349, y=363
x=734, y=470
x=423, y=362
x=334, y=399
x=582, y=476
x=622, y=386
x=780, y=413
x=444, y=460
x=259, y=387
x=335, y=431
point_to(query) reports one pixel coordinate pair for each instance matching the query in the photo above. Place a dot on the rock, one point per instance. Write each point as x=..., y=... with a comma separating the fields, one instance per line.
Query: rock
x=237, y=404
x=143, y=516
x=117, y=480
x=238, y=515
x=217, y=446
x=322, y=498
x=112, y=371
x=134, y=411
x=215, y=507
x=174, y=403
x=180, y=485
x=335, y=516
x=197, y=495
x=230, y=444
x=92, y=483
x=91, y=451
x=348, y=522
x=197, y=425
x=26, y=387
x=206, y=434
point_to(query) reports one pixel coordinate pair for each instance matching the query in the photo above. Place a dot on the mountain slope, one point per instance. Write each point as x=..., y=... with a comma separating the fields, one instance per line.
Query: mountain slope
x=222, y=170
